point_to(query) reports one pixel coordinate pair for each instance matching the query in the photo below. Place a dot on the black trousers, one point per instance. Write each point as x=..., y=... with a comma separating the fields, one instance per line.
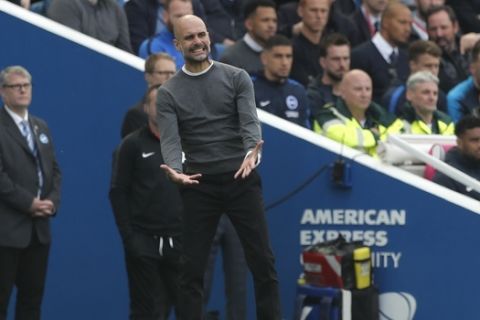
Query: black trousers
x=153, y=264
x=242, y=201
x=235, y=270
x=26, y=269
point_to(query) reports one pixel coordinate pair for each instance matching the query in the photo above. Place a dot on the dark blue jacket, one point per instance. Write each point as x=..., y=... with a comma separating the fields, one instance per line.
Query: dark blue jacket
x=469, y=166
x=462, y=99
x=287, y=100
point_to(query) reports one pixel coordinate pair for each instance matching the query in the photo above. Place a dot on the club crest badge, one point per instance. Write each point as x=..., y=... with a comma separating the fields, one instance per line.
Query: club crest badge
x=43, y=138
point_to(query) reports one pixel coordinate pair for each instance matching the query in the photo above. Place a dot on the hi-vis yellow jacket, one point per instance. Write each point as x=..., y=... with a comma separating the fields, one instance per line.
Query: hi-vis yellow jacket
x=441, y=123
x=337, y=123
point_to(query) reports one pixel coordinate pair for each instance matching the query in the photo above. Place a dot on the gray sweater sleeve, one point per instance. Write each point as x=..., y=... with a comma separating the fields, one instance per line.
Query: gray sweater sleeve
x=250, y=130
x=168, y=127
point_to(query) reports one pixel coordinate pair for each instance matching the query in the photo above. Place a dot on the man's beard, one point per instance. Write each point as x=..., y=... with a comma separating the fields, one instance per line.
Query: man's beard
x=334, y=77
x=194, y=59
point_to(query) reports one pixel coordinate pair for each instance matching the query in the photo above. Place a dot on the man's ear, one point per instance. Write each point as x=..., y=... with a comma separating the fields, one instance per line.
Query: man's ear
x=177, y=45
x=248, y=24
x=300, y=11
x=409, y=95
x=412, y=64
x=263, y=57
x=321, y=61
x=146, y=76
x=459, y=143
x=456, y=28
x=165, y=16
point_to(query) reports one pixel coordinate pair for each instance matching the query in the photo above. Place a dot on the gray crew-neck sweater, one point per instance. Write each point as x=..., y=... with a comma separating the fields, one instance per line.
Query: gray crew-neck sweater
x=211, y=116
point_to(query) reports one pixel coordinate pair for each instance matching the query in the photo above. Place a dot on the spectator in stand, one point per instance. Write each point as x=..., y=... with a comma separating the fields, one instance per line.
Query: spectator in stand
x=145, y=18
x=163, y=41
x=464, y=98
x=306, y=52
x=355, y=120
x=225, y=20
x=419, y=14
x=335, y=62
x=261, y=25
x=104, y=20
x=274, y=91
x=464, y=157
x=442, y=27
x=317, y=21
x=345, y=7
x=383, y=57
x=468, y=13
x=423, y=55
x=420, y=113
x=290, y=23
x=159, y=67
x=367, y=18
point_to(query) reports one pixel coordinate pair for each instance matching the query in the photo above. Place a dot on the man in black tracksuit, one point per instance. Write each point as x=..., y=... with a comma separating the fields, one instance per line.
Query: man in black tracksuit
x=147, y=210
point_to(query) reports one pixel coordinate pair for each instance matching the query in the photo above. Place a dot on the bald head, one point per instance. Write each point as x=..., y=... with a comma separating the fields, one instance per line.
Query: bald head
x=396, y=24
x=192, y=40
x=187, y=20
x=356, y=90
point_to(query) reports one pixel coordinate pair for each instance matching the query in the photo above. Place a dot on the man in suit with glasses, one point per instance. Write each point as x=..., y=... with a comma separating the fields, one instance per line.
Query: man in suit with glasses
x=29, y=196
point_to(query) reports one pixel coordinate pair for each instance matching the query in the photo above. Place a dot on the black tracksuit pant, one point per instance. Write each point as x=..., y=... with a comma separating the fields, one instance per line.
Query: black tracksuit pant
x=242, y=201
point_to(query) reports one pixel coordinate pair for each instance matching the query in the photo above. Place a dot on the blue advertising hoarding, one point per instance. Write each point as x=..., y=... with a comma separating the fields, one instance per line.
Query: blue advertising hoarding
x=423, y=244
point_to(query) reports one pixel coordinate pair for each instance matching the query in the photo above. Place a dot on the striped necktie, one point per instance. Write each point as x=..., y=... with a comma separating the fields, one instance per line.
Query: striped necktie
x=27, y=133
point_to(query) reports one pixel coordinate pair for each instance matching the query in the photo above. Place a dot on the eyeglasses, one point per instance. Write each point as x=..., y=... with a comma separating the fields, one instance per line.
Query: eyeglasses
x=19, y=86
x=163, y=73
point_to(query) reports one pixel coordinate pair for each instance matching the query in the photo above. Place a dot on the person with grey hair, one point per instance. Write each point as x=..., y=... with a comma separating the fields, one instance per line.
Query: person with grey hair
x=420, y=114
x=29, y=196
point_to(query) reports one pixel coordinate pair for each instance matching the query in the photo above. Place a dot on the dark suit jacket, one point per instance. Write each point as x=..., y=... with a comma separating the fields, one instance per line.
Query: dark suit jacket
x=19, y=181
x=337, y=22
x=367, y=58
x=468, y=14
x=363, y=30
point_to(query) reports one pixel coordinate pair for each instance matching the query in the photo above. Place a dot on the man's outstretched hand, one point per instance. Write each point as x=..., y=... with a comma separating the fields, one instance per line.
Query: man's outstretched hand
x=250, y=162
x=181, y=178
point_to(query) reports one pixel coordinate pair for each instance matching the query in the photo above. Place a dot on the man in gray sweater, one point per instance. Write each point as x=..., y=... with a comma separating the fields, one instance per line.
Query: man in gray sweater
x=208, y=111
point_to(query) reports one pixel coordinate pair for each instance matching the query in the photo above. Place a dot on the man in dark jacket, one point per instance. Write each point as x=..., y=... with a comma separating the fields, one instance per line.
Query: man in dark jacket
x=443, y=29
x=147, y=210
x=335, y=62
x=383, y=57
x=29, y=196
x=465, y=157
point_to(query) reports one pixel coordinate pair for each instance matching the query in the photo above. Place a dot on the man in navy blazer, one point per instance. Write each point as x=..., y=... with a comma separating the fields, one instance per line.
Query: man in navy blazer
x=382, y=57
x=29, y=195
